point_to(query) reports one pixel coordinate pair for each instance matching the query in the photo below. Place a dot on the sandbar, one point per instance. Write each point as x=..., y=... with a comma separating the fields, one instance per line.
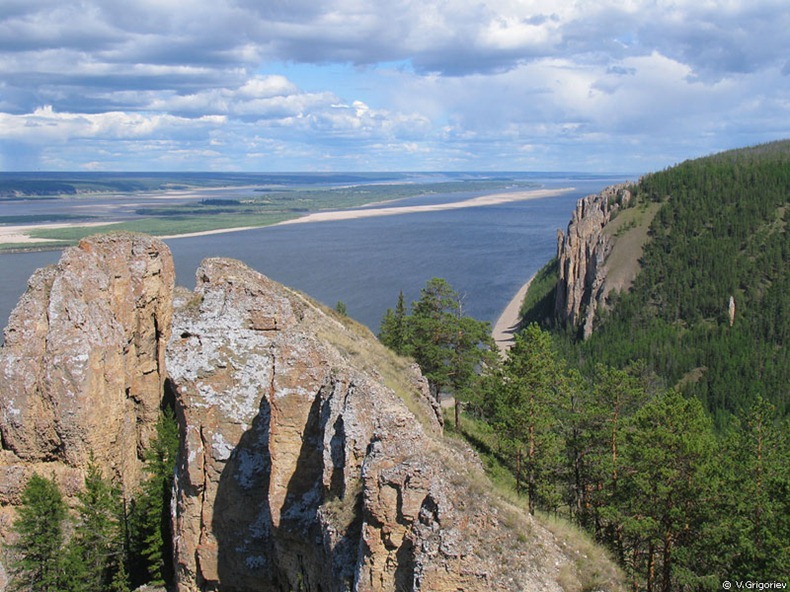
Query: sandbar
x=483, y=200
x=20, y=233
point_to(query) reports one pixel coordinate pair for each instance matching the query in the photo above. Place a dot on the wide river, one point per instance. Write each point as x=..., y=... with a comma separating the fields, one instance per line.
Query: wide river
x=486, y=253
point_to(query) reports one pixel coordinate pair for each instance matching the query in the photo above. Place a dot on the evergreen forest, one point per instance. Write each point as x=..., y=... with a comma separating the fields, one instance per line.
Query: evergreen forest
x=665, y=435
x=720, y=233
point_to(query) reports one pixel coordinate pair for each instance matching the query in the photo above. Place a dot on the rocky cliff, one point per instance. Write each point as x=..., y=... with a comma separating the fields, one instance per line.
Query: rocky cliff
x=582, y=252
x=83, y=365
x=311, y=457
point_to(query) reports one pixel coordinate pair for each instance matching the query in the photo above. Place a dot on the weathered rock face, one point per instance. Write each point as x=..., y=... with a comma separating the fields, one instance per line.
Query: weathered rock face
x=311, y=457
x=301, y=469
x=82, y=367
x=581, y=253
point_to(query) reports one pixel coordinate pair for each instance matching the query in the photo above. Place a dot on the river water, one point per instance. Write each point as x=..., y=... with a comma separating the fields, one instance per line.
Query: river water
x=486, y=253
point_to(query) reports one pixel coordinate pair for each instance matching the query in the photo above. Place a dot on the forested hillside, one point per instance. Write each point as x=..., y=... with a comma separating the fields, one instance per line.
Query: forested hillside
x=665, y=433
x=721, y=233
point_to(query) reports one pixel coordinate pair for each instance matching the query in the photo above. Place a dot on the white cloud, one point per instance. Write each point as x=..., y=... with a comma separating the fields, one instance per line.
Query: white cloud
x=471, y=81
x=45, y=125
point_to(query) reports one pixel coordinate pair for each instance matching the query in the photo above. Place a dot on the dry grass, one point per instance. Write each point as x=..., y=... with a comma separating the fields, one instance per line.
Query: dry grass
x=595, y=569
x=630, y=233
x=365, y=352
x=343, y=511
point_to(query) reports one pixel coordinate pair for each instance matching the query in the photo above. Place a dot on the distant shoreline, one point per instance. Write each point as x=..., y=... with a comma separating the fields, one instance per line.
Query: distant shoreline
x=483, y=200
x=507, y=324
x=20, y=234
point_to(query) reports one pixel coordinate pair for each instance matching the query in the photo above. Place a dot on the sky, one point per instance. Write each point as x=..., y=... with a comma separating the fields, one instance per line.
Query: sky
x=395, y=85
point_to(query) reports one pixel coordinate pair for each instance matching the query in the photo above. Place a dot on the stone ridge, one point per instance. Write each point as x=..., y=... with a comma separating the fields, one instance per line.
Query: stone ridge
x=311, y=457
x=581, y=253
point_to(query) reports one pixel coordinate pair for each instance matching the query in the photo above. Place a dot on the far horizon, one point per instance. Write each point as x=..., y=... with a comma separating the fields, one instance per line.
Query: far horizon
x=322, y=173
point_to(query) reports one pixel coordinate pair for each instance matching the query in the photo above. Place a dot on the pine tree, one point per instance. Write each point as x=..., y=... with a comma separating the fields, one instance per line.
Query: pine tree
x=431, y=322
x=395, y=327
x=525, y=413
x=664, y=480
x=149, y=516
x=752, y=516
x=39, y=527
x=98, y=534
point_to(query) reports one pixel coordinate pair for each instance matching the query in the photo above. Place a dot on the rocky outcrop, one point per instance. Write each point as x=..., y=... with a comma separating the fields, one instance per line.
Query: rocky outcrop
x=83, y=365
x=302, y=469
x=311, y=457
x=581, y=254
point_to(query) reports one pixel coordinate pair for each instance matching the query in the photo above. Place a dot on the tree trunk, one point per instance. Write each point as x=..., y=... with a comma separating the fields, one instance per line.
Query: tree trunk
x=518, y=469
x=651, y=568
x=531, y=488
x=666, y=569
x=457, y=413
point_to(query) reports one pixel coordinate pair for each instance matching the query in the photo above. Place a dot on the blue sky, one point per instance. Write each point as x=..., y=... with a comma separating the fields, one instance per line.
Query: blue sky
x=338, y=85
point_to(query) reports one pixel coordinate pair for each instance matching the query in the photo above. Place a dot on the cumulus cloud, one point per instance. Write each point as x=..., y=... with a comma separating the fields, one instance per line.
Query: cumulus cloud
x=451, y=83
x=46, y=125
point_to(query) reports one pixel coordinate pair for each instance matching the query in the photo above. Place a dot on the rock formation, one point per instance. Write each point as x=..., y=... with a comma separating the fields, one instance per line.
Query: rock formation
x=83, y=365
x=303, y=469
x=581, y=254
x=311, y=458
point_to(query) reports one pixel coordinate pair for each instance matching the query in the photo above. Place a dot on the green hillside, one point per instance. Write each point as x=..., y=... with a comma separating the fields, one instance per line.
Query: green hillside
x=666, y=433
x=721, y=231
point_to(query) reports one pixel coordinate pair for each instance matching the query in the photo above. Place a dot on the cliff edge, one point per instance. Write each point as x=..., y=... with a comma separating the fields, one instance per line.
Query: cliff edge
x=311, y=457
x=599, y=254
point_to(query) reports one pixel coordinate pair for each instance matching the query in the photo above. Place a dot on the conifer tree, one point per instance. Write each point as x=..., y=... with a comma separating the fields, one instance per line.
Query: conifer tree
x=150, y=513
x=97, y=544
x=665, y=473
x=525, y=412
x=432, y=320
x=38, y=566
x=394, y=331
x=750, y=519
x=449, y=347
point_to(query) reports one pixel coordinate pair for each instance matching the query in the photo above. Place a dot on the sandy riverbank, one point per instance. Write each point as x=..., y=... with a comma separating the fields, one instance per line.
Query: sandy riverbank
x=20, y=234
x=508, y=322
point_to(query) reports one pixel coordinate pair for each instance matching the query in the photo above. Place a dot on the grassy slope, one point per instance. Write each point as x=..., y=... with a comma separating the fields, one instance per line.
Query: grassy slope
x=630, y=233
x=591, y=567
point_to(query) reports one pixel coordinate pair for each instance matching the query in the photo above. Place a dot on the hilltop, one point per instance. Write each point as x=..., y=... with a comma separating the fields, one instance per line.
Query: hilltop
x=646, y=396
x=689, y=270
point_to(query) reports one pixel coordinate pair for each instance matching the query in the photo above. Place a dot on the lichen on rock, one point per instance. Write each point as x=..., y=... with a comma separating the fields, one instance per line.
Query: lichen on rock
x=311, y=457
